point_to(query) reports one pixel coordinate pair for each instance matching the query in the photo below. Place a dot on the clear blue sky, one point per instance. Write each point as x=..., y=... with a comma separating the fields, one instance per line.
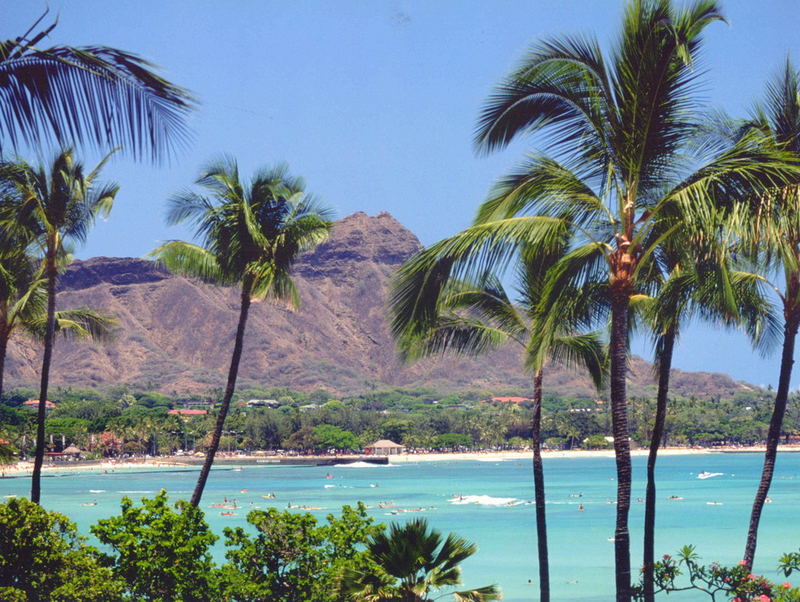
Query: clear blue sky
x=374, y=102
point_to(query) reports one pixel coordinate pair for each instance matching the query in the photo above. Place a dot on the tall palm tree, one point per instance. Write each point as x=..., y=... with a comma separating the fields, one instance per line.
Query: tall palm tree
x=411, y=561
x=616, y=128
x=23, y=306
x=470, y=318
x=54, y=206
x=251, y=236
x=774, y=243
x=696, y=280
x=87, y=94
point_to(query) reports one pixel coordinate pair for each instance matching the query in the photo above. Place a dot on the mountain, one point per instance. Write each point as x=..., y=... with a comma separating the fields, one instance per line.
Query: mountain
x=176, y=334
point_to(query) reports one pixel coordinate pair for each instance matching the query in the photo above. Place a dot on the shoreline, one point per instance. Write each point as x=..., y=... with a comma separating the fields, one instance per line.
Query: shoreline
x=21, y=469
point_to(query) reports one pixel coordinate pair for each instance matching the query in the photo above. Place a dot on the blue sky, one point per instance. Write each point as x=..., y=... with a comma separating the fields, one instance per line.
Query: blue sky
x=375, y=102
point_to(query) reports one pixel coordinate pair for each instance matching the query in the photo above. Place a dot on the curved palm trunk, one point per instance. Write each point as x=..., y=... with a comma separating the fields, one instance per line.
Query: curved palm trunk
x=773, y=436
x=619, y=416
x=226, y=400
x=52, y=274
x=538, y=488
x=665, y=362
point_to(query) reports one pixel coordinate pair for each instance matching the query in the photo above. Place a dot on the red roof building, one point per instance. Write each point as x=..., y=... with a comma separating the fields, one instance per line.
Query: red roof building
x=511, y=399
x=34, y=403
x=188, y=412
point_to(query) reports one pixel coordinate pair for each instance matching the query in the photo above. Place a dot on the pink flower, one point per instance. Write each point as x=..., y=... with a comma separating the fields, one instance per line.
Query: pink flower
x=786, y=584
x=741, y=563
x=763, y=598
x=752, y=576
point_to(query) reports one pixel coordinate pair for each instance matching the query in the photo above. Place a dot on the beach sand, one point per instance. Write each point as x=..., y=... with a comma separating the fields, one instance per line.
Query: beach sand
x=25, y=468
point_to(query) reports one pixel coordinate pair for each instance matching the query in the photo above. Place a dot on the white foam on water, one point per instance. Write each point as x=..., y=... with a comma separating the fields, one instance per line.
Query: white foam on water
x=482, y=500
x=356, y=465
x=97, y=491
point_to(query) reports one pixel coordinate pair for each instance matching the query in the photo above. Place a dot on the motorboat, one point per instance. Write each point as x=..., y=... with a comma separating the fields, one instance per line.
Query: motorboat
x=708, y=475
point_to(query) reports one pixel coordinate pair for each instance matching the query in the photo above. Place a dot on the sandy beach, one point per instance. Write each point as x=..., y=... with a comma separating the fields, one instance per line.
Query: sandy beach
x=173, y=462
x=524, y=455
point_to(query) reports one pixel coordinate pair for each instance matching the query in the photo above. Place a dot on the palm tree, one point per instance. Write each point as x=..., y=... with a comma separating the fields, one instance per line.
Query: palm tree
x=774, y=243
x=411, y=560
x=23, y=304
x=701, y=284
x=470, y=318
x=616, y=129
x=88, y=94
x=54, y=207
x=251, y=236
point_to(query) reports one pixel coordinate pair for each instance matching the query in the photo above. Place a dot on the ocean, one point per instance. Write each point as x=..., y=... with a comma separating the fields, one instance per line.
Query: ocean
x=485, y=501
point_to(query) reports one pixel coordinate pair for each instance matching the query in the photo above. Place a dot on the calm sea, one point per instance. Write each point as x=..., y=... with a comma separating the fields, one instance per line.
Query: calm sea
x=493, y=512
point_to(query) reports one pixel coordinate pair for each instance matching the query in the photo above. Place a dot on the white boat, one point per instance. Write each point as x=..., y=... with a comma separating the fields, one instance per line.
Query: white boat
x=708, y=475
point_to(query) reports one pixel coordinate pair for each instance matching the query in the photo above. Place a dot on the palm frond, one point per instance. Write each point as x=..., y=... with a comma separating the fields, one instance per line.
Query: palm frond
x=191, y=260
x=480, y=594
x=92, y=95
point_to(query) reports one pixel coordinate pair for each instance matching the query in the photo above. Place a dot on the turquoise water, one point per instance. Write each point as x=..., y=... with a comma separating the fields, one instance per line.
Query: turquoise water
x=581, y=557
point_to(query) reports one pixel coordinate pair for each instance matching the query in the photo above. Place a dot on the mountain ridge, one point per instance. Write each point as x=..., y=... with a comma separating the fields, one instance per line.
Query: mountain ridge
x=176, y=334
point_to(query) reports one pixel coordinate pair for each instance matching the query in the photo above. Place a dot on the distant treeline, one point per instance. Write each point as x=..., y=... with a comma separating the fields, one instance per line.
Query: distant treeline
x=120, y=421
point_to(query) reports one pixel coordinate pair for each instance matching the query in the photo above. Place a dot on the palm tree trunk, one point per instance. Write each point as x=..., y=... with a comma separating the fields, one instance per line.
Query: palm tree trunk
x=619, y=415
x=665, y=363
x=538, y=488
x=773, y=436
x=3, y=350
x=226, y=400
x=36, y=477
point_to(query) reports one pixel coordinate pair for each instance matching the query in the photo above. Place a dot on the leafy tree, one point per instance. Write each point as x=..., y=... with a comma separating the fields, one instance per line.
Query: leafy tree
x=160, y=553
x=252, y=236
x=87, y=94
x=412, y=562
x=42, y=557
x=596, y=442
x=291, y=558
x=53, y=207
x=332, y=437
x=452, y=441
x=395, y=429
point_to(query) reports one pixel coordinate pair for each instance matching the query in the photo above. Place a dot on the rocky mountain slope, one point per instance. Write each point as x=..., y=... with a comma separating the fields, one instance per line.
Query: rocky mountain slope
x=176, y=334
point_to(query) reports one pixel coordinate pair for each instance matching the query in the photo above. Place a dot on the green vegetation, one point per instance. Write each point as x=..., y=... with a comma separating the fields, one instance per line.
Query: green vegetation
x=636, y=210
x=158, y=552
x=412, y=561
x=121, y=421
x=42, y=557
x=735, y=583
